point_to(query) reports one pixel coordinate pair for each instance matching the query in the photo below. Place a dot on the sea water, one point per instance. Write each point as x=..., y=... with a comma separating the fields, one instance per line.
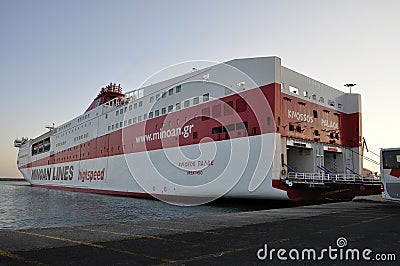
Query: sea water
x=23, y=206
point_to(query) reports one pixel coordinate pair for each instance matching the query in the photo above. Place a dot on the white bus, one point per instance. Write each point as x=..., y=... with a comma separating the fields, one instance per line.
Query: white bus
x=390, y=173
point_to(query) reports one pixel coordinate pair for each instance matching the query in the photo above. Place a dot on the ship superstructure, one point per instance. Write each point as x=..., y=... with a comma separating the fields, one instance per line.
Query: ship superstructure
x=247, y=128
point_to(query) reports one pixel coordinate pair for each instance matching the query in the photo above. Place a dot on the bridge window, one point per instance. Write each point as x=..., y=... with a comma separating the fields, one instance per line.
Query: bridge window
x=206, y=97
x=242, y=125
x=230, y=127
x=391, y=159
x=216, y=130
x=178, y=89
x=186, y=103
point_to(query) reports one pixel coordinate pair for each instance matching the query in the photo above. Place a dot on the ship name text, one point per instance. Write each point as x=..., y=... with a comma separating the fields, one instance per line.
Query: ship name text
x=300, y=116
x=329, y=124
x=53, y=173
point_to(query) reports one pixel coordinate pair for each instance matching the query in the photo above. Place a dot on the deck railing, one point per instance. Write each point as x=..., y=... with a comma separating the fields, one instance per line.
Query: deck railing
x=323, y=179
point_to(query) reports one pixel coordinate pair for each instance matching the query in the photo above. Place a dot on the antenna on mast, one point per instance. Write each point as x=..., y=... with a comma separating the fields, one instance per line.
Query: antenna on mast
x=350, y=85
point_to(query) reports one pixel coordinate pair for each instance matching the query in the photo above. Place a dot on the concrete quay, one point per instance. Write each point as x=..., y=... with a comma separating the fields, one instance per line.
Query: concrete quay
x=245, y=238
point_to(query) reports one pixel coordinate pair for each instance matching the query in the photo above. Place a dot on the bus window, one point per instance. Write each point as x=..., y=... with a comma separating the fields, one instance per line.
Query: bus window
x=391, y=159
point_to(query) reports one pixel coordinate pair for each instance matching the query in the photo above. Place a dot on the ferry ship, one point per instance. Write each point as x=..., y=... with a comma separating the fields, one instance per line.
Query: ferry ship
x=246, y=128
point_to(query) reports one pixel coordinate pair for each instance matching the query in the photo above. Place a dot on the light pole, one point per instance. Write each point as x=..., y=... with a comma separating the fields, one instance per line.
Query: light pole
x=350, y=85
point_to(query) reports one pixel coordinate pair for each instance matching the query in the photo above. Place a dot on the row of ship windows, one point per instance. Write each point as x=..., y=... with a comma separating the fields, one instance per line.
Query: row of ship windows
x=170, y=92
x=65, y=126
x=155, y=113
x=215, y=130
x=186, y=103
x=86, y=116
x=72, y=130
x=139, y=104
x=81, y=137
x=321, y=99
x=214, y=112
x=61, y=143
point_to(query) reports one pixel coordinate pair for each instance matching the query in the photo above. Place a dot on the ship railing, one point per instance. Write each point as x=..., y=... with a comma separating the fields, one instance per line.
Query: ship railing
x=324, y=179
x=117, y=102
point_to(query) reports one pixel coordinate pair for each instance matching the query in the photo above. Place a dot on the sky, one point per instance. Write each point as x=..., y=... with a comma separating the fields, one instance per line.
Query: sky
x=56, y=55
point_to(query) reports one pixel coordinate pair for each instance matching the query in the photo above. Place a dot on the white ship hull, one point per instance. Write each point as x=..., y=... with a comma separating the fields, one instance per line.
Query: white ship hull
x=120, y=174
